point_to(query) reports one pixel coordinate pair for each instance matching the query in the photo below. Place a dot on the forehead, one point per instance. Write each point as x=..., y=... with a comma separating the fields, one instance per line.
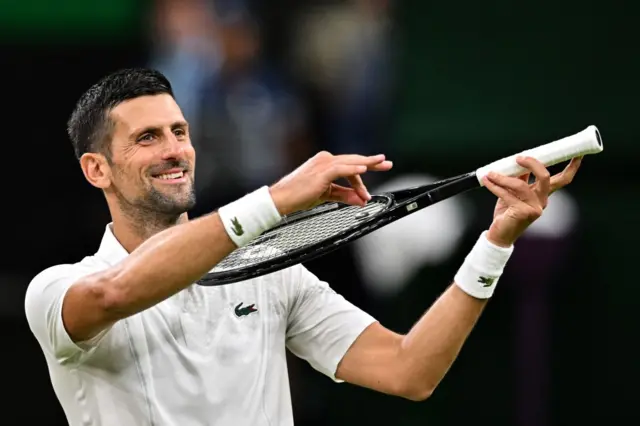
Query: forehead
x=146, y=111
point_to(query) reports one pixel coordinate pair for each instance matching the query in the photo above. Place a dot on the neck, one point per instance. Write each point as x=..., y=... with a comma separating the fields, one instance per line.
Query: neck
x=133, y=230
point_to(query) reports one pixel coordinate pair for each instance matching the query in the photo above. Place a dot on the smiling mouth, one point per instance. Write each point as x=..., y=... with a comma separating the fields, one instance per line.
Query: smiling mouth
x=170, y=176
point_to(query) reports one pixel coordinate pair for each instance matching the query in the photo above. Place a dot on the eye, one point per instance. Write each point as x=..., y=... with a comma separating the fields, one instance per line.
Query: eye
x=179, y=132
x=147, y=137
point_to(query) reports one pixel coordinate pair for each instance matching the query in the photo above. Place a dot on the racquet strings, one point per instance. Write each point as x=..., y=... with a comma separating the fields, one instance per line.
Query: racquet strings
x=300, y=233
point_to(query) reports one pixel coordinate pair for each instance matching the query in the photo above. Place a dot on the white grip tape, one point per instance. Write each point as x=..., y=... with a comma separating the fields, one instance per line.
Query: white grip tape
x=249, y=216
x=482, y=268
x=585, y=142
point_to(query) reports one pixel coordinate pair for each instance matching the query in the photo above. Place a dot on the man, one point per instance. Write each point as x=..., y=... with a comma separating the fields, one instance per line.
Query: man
x=130, y=340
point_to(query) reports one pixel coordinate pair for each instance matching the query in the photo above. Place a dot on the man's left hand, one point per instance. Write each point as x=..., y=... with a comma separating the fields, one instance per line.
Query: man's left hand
x=520, y=203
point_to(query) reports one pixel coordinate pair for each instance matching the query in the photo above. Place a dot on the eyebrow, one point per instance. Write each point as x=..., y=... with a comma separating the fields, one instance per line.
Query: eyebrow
x=158, y=129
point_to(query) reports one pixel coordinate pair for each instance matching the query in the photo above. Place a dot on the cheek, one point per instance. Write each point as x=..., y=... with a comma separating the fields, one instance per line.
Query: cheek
x=126, y=180
x=190, y=152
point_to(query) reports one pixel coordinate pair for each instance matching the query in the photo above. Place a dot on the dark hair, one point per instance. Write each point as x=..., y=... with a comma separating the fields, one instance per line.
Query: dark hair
x=89, y=126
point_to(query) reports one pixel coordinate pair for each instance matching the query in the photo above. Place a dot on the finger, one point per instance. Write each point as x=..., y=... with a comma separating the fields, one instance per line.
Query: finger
x=355, y=159
x=374, y=163
x=500, y=192
x=518, y=187
x=337, y=171
x=381, y=167
x=359, y=187
x=525, y=177
x=543, y=178
x=344, y=195
x=565, y=177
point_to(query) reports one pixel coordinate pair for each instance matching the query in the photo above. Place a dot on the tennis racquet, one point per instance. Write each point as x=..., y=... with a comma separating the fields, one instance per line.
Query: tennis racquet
x=309, y=234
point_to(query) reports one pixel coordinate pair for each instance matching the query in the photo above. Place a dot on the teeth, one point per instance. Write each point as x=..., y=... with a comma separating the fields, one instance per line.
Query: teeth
x=176, y=175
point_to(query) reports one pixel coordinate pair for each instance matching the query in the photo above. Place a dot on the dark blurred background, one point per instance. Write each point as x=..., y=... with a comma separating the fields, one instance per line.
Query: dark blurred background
x=441, y=88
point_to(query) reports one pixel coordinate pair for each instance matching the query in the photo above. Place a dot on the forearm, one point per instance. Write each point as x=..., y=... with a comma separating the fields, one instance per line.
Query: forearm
x=159, y=268
x=167, y=263
x=430, y=348
x=179, y=256
x=163, y=265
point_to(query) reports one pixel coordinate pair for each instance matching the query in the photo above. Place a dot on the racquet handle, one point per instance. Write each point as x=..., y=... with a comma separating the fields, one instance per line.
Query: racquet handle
x=586, y=142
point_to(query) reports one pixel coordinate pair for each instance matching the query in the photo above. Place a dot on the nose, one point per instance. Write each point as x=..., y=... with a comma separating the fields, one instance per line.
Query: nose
x=174, y=148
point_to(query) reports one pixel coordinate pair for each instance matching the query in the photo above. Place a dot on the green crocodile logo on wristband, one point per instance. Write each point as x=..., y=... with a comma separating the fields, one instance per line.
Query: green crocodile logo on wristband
x=237, y=228
x=486, y=281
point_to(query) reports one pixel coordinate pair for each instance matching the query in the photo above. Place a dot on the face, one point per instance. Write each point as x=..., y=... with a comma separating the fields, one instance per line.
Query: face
x=152, y=159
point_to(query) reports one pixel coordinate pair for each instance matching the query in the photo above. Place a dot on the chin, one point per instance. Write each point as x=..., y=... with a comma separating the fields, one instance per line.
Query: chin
x=173, y=204
x=186, y=203
x=183, y=203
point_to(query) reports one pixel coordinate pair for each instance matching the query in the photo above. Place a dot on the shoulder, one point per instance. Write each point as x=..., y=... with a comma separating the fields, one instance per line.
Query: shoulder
x=54, y=280
x=43, y=308
x=293, y=275
x=300, y=284
x=55, y=273
x=289, y=283
x=52, y=273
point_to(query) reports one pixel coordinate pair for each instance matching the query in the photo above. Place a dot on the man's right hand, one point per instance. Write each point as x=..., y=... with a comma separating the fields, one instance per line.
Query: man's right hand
x=313, y=181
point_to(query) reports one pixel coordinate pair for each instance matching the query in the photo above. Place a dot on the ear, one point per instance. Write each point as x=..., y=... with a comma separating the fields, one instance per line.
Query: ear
x=96, y=170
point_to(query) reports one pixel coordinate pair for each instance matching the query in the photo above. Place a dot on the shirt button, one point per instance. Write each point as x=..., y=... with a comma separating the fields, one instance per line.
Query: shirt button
x=80, y=395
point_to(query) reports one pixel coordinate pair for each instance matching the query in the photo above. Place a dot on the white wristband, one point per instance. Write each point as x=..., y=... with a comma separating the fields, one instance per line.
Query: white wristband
x=250, y=216
x=482, y=268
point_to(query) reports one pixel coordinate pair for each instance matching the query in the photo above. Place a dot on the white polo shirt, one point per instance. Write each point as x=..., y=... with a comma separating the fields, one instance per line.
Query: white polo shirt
x=206, y=356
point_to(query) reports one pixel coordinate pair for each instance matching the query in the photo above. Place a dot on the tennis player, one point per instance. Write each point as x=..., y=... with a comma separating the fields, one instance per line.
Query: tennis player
x=130, y=340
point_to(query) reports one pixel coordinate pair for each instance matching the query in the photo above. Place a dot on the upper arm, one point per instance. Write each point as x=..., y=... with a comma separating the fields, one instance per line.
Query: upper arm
x=322, y=325
x=372, y=361
x=339, y=339
x=65, y=319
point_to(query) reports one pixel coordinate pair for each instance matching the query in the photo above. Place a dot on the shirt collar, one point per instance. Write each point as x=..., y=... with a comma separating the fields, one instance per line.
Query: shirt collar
x=110, y=249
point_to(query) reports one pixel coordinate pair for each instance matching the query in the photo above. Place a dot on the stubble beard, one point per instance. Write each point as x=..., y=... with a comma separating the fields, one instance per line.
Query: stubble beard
x=157, y=210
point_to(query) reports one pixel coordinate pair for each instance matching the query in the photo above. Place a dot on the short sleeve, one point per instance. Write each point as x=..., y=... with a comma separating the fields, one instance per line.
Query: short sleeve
x=322, y=325
x=43, y=308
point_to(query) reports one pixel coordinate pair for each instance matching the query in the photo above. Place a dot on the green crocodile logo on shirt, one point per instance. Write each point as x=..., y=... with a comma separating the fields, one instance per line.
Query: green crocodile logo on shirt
x=241, y=312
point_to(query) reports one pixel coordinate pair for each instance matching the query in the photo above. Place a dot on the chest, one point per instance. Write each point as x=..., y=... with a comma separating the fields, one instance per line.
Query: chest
x=211, y=345
x=224, y=318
